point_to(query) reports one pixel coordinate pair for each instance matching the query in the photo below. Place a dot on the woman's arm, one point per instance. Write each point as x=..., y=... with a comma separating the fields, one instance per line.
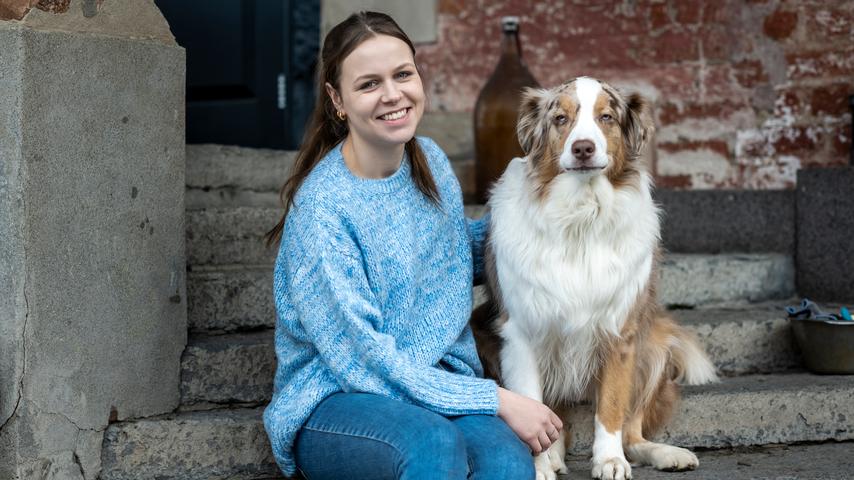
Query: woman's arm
x=477, y=230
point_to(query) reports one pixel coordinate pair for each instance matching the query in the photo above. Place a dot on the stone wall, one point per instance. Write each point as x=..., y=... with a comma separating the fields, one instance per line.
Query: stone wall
x=92, y=264
x=745, y=92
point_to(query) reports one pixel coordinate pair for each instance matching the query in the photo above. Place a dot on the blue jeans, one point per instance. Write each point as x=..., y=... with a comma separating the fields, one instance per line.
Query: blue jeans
x=364, y=436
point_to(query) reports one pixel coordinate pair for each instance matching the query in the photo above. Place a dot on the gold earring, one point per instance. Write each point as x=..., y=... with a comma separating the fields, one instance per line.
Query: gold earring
x=341, y=115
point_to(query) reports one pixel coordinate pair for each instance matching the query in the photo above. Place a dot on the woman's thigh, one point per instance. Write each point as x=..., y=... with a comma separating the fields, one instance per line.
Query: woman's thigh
x=364, y=436
x=495, y=452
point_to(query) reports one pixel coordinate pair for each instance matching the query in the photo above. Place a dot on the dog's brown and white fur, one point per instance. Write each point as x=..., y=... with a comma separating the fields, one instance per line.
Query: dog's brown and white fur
x=571, y=264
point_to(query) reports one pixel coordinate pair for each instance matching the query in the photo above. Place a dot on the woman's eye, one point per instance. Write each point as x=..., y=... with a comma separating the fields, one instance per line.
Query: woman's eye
x=369, y=84
x=404, y=74
x=606, y=117
x=560, y=120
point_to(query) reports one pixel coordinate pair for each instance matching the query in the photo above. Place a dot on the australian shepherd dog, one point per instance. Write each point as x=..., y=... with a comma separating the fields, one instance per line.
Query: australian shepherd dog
x=571, y=263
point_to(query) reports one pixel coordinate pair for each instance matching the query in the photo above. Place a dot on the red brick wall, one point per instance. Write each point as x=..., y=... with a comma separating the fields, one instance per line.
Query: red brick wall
x=745, y=91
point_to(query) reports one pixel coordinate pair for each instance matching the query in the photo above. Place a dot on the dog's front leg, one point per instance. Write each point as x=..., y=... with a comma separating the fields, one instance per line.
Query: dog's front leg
x=612, y=403
x=521, y=374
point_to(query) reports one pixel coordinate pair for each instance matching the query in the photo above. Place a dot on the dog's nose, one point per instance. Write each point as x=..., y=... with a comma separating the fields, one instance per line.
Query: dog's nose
x=583, y=149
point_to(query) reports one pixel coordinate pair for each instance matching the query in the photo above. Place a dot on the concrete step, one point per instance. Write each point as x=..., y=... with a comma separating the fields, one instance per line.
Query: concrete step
x=227, y=369
x=749, y=410
x=239, y=367
x=217, y=445
x=225, y=176
x=228, y=298
x=220, y=176
x=791, y=462
x=231, y=297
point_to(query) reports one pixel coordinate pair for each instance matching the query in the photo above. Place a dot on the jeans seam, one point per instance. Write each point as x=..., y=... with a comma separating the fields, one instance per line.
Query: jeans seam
x=357, y=435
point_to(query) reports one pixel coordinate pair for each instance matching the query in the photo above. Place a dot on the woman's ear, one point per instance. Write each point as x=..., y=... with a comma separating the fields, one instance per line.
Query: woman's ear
x=333, y=94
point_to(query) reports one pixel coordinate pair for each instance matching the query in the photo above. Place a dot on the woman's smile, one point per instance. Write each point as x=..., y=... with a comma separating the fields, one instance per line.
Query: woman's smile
x=393, y=117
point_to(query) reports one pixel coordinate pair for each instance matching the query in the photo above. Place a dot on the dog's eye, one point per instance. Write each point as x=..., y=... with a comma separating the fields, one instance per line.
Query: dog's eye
x=606, y=117
x=560, y=120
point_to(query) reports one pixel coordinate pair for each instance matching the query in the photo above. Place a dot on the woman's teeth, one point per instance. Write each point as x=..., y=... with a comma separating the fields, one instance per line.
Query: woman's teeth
x=394, y=115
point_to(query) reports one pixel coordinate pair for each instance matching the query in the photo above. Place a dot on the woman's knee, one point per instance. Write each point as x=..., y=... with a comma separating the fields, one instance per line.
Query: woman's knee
x=437, y=451
x=496, y=452
x=511, y=461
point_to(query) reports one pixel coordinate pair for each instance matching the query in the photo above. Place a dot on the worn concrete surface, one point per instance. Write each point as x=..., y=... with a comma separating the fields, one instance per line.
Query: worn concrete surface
x=749, y=339
x=230, y=298
x=751, y=410
x=714, y=221
x=754, y=410
x=233, y=297
x=230, y=444
x=221, y=175
x=825, y=199
x=228, y=368
x=230, y=236
x=132, y=19
x=96, y=309
x=698, y=279
x=823, y=461
x=239, y=367
x=13, y=301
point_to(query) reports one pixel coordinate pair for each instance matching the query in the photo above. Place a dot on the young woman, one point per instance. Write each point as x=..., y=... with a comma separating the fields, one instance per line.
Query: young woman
x=378, y=376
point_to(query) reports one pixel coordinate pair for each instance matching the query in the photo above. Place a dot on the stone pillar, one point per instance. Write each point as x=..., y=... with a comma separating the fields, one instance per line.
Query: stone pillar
x=92, y=261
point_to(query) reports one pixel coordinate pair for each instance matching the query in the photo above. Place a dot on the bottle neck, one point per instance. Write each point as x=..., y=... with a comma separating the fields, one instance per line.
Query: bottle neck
x=510, y=46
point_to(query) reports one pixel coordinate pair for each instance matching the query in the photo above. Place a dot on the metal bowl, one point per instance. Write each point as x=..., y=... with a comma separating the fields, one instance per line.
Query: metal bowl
x=827, y=346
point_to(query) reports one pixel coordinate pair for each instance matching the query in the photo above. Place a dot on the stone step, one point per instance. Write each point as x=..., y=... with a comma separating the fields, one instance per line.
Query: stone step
x=221, y=176
x=749, y=410
x=780, y=461
x=231, y=297
x=224, y=176
x=239, y=367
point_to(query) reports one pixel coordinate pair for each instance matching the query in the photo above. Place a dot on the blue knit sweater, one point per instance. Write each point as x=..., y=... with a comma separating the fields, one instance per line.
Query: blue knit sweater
x=373, y=291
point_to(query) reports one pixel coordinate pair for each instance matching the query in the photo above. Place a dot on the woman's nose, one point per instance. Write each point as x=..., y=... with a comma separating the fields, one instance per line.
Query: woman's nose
x=391, y=93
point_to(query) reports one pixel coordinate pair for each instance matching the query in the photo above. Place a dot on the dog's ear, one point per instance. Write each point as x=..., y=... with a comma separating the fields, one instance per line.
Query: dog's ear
x=529, y=126
x=638, y=125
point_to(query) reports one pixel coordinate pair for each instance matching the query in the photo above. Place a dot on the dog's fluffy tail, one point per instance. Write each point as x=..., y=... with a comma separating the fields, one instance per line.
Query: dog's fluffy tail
x=692, y=365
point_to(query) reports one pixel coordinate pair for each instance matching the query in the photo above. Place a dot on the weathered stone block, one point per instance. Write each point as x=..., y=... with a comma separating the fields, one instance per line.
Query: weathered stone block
x=715, y=221
x=691, y=280
x=92, y=269
x=825, y=247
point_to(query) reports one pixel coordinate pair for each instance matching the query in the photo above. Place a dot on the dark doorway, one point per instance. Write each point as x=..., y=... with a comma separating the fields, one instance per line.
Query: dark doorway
x=250, y=68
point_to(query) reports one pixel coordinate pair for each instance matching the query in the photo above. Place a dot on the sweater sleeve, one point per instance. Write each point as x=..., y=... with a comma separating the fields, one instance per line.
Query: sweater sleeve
x=477, y=230
x=340, y=315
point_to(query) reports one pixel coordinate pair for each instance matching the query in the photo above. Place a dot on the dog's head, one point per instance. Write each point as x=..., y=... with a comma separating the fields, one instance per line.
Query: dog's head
x=583, y=128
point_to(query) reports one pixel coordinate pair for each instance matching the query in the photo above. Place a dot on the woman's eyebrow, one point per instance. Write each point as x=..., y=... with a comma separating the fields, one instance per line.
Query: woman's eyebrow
x=371, y=76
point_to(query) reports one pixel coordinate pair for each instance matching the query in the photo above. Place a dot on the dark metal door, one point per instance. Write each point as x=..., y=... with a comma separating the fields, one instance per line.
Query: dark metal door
x=250, y=67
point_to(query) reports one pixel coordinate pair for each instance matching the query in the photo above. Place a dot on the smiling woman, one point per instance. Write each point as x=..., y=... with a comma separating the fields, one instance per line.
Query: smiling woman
x=378, y=376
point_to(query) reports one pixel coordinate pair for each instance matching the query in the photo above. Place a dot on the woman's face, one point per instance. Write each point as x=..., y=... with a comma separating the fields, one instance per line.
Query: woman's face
x=380, y=91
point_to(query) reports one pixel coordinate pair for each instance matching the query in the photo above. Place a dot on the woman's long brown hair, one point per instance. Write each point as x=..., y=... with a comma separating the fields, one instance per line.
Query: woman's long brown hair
x=325, y=130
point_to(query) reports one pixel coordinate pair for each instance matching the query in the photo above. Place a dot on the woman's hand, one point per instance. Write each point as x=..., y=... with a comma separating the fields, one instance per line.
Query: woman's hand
x=532, y=421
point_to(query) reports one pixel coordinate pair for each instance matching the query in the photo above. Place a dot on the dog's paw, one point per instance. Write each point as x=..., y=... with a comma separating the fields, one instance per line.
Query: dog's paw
x=673, y=459
x=543, y=466
x=556, y=460
x=614, y=468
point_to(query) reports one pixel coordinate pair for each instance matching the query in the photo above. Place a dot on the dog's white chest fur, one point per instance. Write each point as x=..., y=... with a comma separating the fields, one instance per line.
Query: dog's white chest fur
x=570, y=266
